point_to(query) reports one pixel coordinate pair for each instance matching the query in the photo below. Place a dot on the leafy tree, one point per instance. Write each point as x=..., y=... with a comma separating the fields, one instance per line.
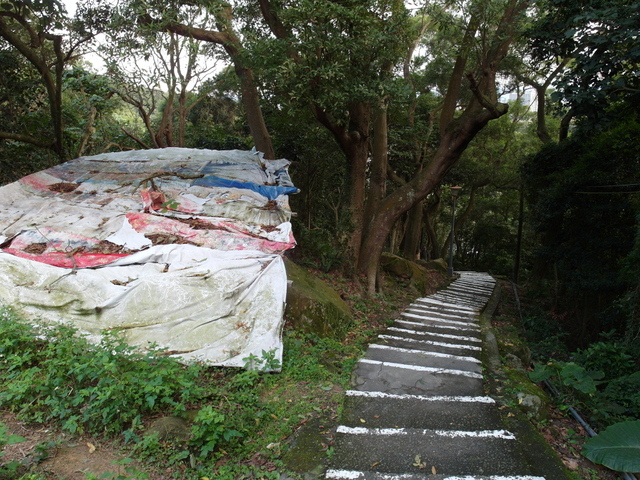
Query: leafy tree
x=30, y=29
x=600, y=37
x=469, y=103
x=215, y=25
x=582, y=195
x=156, y=73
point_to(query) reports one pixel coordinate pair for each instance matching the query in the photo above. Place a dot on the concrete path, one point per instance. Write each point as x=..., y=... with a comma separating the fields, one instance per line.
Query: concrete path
x=418, y=408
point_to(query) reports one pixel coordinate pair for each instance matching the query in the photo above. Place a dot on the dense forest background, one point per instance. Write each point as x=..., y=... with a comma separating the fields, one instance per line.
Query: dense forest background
x=382, y=105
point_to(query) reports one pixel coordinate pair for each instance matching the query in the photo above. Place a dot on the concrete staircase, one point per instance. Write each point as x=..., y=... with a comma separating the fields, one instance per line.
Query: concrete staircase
x=418, y=411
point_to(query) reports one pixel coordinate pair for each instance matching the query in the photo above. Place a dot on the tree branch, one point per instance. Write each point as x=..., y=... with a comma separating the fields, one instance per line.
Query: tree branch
x=135, y=139
x=18, y=137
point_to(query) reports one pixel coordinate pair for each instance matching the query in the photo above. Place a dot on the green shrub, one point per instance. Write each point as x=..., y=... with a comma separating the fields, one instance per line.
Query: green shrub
x=610, y=358
x=51, y=373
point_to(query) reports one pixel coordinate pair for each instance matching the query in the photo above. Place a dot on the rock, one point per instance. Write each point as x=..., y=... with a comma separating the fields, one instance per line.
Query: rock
x=514, y=361
x=313, y=306
x=171, y=429
x=439, y=265
x=418, y=275
x=532, y=405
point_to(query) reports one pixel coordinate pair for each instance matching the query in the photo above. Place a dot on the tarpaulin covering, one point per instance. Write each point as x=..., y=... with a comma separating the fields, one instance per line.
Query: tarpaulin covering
x=177, y=247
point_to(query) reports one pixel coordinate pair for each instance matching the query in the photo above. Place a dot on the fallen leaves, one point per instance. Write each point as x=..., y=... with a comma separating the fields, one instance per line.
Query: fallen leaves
x=418, y=462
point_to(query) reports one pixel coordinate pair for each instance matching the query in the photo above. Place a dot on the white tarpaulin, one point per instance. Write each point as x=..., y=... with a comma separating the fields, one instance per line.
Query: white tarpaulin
x=177, y=247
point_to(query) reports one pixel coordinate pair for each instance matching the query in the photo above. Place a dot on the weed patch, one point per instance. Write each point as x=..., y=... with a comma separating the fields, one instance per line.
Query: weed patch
x=240, y=422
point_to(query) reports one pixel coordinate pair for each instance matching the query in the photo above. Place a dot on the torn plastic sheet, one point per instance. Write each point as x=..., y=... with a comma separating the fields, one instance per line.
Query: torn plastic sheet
x=138, y=242
x=199, y=304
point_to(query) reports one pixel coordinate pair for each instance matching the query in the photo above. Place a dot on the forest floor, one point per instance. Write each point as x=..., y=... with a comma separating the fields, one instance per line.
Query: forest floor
x=52, y=454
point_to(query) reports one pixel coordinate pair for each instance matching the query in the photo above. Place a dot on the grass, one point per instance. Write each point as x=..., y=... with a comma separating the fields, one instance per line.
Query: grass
x=240, y=421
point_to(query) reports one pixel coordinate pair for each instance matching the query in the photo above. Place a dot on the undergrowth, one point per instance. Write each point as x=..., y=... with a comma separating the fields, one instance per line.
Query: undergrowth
x=239, y=420
x=602, y=380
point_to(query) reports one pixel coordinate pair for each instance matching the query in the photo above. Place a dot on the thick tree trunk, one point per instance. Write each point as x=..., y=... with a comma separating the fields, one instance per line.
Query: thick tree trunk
x=462, y=218
x=354, y=142
x=454, y=140
x=378, y=169
x=413, y=232
x=429, y=221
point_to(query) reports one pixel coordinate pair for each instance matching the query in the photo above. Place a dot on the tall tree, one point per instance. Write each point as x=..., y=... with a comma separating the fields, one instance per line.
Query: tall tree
x=601, y=39
x=32, y=30
x=486, y=40
x=337, y=59
x=158, y=74
x=215, y=26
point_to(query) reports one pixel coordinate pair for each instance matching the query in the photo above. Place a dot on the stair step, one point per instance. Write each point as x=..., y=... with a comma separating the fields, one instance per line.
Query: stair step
x=379, y=410
x=421, y=325
x=451, y=452
x=400, y=340
x=372, y=375
x=387, y=353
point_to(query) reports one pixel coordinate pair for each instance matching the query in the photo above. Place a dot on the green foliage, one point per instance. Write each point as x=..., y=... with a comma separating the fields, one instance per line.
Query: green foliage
x=267, y=361
x=569, y=374
x=8, y=469
x=585, y=217
x=345, y=52
x=52, y=374
x=610, y=358
x=617, y=447
x=209, y=431
x=600, y=38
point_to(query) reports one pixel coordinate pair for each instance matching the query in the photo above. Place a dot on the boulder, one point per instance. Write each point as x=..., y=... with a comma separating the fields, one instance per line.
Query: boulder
x=439, y=265
x=419, y=275
x=313, y=306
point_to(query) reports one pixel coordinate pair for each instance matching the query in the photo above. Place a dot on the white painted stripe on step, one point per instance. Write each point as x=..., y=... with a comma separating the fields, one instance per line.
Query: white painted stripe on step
x=450, y=305
x=431, y=343
x=443, y=317
x=418, y=368
x=356, y=475
x=432, y=334
x=424, y=353
x=429, y=316
x=503, y=434
x=426, y=311
x=424, y=398
x=450, y=327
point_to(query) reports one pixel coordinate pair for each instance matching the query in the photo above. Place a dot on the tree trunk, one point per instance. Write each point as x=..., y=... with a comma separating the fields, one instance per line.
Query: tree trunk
x=413, y=232
x=433, y=208
x=248, y=89
x=462, y=218
x=378, y=169
x=354, y=142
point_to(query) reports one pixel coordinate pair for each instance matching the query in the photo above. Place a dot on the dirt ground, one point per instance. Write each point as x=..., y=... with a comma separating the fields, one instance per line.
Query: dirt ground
x=60, y=456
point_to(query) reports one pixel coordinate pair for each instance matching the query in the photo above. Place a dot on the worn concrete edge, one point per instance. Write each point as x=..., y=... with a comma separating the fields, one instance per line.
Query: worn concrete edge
x=537, y=449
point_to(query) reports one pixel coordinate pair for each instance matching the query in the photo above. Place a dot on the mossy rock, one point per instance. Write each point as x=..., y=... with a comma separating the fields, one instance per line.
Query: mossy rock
x=439, y=265
x=418, y=275
x=170, y=429
x=313, y=306
x=532, y=400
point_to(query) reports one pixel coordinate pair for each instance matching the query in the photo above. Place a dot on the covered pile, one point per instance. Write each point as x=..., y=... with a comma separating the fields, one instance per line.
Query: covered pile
x=177, y=247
